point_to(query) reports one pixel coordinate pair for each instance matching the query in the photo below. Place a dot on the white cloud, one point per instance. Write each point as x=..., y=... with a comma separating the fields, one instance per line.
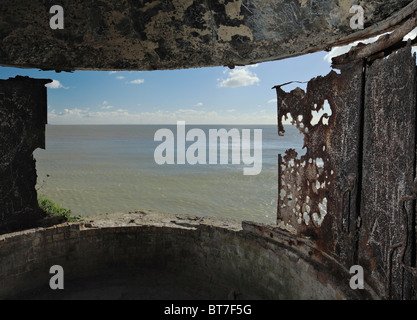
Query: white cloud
x=55, y=84
x=120, y=77
x=189, y=111
x=106, y=106
x=112, y=72
x=239, y=77
x=190, y=116
x=198, y=104
x=273, y=101
x=137, y=81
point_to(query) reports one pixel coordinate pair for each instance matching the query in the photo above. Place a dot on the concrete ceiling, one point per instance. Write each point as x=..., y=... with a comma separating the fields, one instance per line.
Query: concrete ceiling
x=164, y=34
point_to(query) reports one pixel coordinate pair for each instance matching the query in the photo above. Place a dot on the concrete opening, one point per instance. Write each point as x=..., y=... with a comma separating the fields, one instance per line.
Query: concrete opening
x=335, y=212
x=218, y=261
x=97, y=189
x=144, y=258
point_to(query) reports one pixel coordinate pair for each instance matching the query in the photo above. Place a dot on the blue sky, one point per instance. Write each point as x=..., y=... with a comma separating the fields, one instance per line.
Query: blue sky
x=215, y=95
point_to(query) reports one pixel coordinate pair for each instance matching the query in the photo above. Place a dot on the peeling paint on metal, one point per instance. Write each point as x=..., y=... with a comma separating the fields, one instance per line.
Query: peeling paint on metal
x=311, y=185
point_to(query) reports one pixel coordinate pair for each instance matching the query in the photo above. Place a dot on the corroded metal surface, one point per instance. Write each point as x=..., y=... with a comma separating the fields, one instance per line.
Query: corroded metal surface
x=317, y=191
x=388, y=170
x=148, y=35
x=359, y=204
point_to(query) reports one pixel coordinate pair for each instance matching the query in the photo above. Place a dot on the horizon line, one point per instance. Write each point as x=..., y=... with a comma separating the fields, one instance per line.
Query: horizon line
x=161, y=124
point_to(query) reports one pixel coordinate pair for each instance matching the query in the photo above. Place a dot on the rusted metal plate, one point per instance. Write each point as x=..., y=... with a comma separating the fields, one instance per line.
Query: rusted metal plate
x=388, y=169
x=317, y=191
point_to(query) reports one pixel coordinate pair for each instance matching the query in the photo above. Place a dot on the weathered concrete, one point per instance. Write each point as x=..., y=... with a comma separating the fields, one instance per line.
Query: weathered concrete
x=148, y=35
x=151, y=255
x=189, y=256
x=22, y=129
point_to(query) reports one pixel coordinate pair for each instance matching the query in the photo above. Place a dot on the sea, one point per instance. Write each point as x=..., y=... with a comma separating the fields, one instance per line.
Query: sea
x=101, y=169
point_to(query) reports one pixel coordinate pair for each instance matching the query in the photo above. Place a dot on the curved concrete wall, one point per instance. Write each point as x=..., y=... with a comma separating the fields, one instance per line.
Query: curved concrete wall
x=155, y=35
x=181, y=258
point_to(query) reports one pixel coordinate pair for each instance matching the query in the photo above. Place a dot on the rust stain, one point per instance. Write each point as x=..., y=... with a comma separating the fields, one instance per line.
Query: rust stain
x=351, y=192
x=315, y=191
x=304, y=180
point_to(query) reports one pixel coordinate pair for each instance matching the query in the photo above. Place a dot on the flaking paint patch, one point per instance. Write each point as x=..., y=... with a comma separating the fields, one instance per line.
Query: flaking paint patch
x=225, y=33
x=233, y=9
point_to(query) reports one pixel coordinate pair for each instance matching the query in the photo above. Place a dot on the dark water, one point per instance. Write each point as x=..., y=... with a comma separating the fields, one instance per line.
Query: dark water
x=103, y=169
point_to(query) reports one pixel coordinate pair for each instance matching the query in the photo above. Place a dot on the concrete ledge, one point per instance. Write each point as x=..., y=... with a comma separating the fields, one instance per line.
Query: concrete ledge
x=156, y=35
x=152, y=255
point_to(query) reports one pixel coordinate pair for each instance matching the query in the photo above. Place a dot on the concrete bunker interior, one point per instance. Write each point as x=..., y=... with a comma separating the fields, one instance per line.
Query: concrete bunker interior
x=290, y=260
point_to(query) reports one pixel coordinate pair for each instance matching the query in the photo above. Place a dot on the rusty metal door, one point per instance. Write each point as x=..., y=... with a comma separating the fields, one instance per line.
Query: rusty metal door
x=318, y=191
x=388, y=171
x=353, y=192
